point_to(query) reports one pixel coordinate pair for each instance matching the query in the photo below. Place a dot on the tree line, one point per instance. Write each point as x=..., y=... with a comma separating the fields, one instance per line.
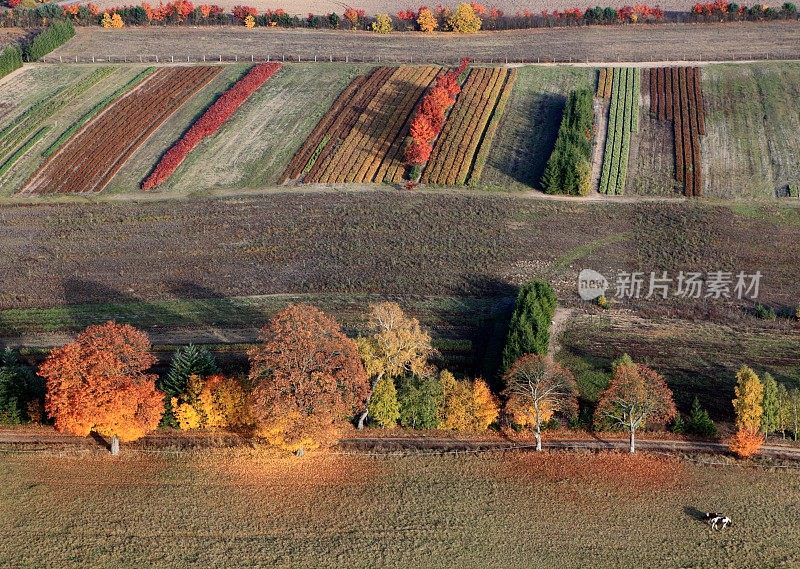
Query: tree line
x=307, y=380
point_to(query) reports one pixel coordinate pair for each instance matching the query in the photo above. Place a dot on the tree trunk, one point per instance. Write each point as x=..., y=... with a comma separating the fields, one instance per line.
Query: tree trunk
x=114, y=445
x=538, y=434
x=633, y=441
x=363, y=418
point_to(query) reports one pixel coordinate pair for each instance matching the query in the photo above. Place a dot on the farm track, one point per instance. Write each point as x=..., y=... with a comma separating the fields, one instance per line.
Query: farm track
x=88, y=161
x=670, y=42
x=45, y=439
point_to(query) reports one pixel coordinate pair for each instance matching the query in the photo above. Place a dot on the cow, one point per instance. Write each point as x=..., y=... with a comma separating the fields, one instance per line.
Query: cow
x=718, y=521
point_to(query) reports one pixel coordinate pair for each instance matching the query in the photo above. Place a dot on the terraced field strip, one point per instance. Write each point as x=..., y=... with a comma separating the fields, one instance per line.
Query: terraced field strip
x=91, y=158
x=340, y=120
x=368, y=143
x=454, y=152
x=623, y=121
x=16, y=134
x=604, y=82
x=679, y=98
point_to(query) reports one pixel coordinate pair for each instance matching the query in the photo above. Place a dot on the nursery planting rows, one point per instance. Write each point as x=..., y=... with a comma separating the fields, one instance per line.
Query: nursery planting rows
x=91, y=158
x=623, y=121
x=453, y=159
x=19, y=134
x=360, y=139
x=676, y=95
x=211, y=121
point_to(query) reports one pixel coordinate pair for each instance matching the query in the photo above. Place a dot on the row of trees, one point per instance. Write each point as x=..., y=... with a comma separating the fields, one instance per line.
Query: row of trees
x=569, y=167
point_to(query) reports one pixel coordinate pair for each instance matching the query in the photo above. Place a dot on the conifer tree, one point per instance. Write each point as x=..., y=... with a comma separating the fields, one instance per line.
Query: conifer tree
x=529, y=329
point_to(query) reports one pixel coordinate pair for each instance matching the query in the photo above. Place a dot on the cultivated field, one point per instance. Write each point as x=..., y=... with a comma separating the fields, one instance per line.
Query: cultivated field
x=595, y=43
x=211, y=508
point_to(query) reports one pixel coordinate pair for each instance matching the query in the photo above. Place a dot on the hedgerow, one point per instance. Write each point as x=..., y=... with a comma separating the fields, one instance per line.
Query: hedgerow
x=569, y=168
x=529, y=329
x=10, y=60
x=53, y=36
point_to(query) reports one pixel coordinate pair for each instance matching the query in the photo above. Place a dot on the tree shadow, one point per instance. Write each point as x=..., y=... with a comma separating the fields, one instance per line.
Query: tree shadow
x=100, y=440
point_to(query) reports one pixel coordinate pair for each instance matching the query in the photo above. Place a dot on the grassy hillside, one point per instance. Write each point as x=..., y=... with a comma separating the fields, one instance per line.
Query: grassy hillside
x=252, y=509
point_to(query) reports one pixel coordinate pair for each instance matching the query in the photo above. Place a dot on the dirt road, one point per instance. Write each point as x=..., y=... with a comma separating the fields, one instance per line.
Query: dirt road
x=655, y=43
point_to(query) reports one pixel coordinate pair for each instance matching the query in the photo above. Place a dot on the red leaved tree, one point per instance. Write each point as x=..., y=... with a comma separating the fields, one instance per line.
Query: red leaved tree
x=635, y=397
x=98, y=384
x=308, y=378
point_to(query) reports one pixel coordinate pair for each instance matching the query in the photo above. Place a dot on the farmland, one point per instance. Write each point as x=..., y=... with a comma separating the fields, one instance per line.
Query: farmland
x=623, y=123
x=453, y=156
x=101, y=148
x=360, y=139
x=595, y=43
x=487, y=511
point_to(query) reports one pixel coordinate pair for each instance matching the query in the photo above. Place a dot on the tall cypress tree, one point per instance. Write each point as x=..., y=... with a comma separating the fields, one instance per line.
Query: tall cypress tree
x=529, y=330
x=769, y=420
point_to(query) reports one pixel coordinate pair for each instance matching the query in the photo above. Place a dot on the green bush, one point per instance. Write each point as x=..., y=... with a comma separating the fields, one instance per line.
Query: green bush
x=19, y=386
x=53, y=36
x=568, y=170
x=794, y=190
x=765, y=312
x=384, y=408
x=10, y=59
x=529, y=329
x=420, y=401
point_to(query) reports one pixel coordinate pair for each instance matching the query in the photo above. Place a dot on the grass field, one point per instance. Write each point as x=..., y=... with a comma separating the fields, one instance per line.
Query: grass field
x=529, y=126
x=753, y=118
x=248, y=509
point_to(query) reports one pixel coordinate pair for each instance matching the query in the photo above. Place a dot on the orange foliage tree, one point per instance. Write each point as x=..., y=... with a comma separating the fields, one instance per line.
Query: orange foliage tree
x=308, y=378
x=538, y=387
x=98, y=384
x=636, y=396
x=745, y=443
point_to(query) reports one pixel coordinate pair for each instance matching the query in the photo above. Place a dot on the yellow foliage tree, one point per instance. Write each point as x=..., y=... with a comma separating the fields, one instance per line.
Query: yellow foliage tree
x=748, y=403
x=116, y=21
x=249, y=22
x=382, y=24
x=398, y=346
x=485, y=406
x=427, y=21
x=186, y=415
x=106, y=21
x=457, y=403
x=464, y=20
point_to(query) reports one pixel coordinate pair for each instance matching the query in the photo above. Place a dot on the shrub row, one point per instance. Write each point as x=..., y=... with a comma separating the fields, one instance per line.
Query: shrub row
x=623, y=121
x=529, y=329
x=568, y=170
x=53, y=36
x=10, y=59
x=491, y=130
x=211, y=121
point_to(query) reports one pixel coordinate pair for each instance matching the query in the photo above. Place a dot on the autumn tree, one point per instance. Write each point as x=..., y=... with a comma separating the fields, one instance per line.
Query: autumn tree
x=420, y=399
x=98, y=384
x=384, y=409
x=308, y=378
x=749, y=401
x=540, y=387
x=529, y=329
x=770, y=417
x=186, y=361
x=464, y=20
x=636, y=397
x=486, y=408
x=397, y=346
x=215, y=401
x=426, y=20
x=457, y=402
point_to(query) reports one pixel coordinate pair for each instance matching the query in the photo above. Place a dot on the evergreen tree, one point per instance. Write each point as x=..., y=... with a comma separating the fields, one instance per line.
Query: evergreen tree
x=187, y=361
x=529, y=329
x=769, y=419
x=19, y=385
x=700, y=422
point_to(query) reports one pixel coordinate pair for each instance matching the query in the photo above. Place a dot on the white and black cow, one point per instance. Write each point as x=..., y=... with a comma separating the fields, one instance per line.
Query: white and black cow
x=718, y=521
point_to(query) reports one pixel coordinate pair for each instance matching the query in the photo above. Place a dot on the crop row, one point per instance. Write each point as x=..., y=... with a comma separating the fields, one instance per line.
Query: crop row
x=623, y=121
x=360, y=138
x=210, y=122
x=22, y=150
x=31, y=120
x=96, y=110
x=92, y=157
x=453, y=154
x=676, y=95
x=604, y=82
x=494, y=124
